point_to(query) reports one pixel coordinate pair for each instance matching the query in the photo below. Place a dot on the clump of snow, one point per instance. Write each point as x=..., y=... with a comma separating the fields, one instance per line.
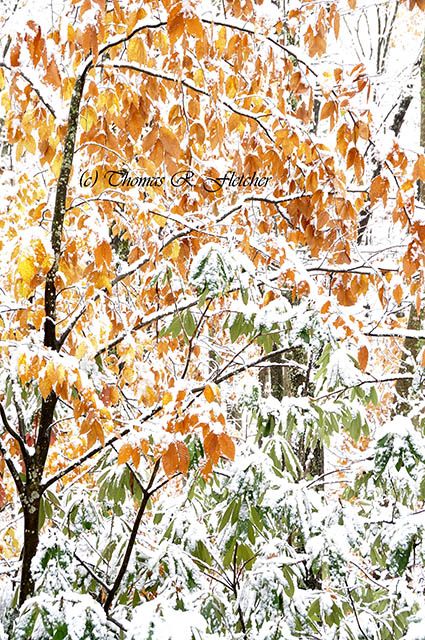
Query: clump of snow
x=158, y=620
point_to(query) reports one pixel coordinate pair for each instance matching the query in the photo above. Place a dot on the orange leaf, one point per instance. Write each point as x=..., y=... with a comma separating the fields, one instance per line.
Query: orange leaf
x=124, y=454
x=209, y=393
x=419, y=169
x=363, y=357
x=169, y=142
x=170, y=460
x=212, y=447
x=14, y=55
x=183, y=457
x=227, y=446
x=398, y=294
x=52, y=75
x=176, y=458
x=175, y=27
x=103, y=254
x=379, y=190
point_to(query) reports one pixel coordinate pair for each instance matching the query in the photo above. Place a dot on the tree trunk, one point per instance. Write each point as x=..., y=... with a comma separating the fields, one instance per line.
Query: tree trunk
x=412, y=345
x=31, y=539
x=422, y=138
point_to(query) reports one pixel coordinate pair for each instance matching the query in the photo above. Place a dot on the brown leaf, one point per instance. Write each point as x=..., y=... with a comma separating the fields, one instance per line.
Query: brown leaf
x=14, y=55
x=363, y=357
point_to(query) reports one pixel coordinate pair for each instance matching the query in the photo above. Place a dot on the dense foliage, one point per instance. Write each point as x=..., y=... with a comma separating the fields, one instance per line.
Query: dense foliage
x=212, y=275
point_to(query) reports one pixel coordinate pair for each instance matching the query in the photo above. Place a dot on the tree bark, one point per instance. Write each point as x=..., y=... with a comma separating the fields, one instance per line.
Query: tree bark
x=411, y=345
x=31, y=498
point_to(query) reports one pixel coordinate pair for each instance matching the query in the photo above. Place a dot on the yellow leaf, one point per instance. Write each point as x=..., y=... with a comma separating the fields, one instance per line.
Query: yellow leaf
x=136, y=51
x=27, y=270
x=231, y=86
x=45, y=387
x=129, y=374
x=198, y=78
x=167, y=397
x=60, y=374
x=160, y=219
x=220, y=43
x=102, y=281
x=81, y=350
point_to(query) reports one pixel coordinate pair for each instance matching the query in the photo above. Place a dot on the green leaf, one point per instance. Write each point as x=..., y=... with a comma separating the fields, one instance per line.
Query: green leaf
x=61, y=632
x=174, y=328
x=314, y=611
x=256, y=518
x=383, y=453
x=237, y=327
x=290, y=588
x=245, y=555
x=202, y=553
x=41, y=514
x=356, y=427
x=189, y=324
x=401, y=556
x=374, y=396
x=227, y=514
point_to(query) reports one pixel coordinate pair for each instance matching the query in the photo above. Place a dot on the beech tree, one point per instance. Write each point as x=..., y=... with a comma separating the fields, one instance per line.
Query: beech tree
x=173, y=221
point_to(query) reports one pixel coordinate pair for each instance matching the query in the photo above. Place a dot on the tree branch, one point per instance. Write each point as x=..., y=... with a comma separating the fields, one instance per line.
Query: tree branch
x=89, y=454
x=13, y=471
x=14, y=434
x=25, y=77
x=146, y=495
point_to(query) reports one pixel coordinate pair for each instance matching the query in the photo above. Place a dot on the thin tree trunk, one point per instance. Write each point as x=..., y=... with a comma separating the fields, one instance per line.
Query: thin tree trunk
x=412, y=345
x=31, y=496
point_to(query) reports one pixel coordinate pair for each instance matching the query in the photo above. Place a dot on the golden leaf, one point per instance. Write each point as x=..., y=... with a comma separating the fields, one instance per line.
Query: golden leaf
x=27, y=270
x=167, y=398
x=125, y=453
x=169, y=142
x=209, y=393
